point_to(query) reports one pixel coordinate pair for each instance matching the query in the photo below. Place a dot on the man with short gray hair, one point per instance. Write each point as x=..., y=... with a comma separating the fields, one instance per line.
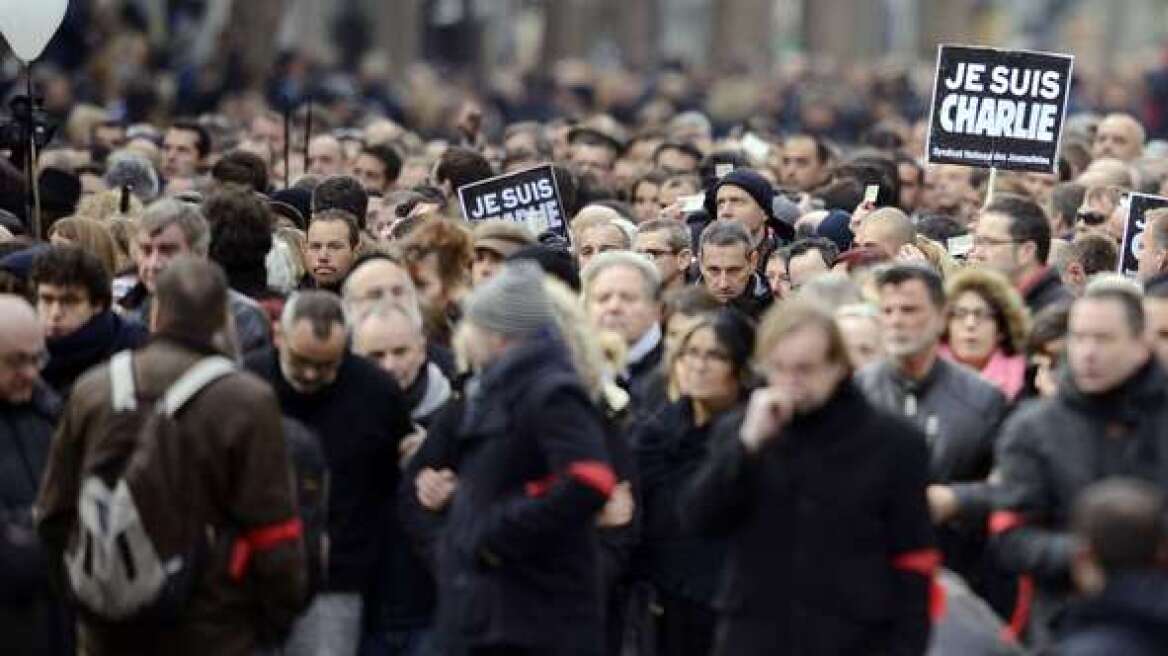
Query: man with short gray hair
x=729, y=261
x=622, y=294
x=170, y=228
x=359, y=414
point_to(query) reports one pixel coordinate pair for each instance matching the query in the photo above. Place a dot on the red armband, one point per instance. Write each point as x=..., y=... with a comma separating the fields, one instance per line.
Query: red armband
x=925, y=562
x=1004, y=521
x=594, y=474
x=261, y=539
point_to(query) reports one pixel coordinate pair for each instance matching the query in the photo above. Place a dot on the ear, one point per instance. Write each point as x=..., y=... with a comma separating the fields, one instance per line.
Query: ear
x=685, y=256
x=753, y=259
x=1085, y=572
x=1074, y=274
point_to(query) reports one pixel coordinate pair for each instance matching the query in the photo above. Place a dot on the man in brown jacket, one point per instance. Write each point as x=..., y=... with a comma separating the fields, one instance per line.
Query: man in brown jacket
x=242, y=484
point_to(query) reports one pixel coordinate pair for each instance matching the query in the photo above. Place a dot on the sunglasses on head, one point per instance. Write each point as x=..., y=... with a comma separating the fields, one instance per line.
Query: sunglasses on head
x=1092, y=218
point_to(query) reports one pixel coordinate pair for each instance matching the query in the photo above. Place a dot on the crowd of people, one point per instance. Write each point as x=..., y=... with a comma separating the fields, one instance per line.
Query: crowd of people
x=776, y=388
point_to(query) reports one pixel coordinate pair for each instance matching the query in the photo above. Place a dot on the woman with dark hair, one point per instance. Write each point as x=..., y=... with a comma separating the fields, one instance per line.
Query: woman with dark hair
x=643, y=196
x=681, y=567
x=1045, y=346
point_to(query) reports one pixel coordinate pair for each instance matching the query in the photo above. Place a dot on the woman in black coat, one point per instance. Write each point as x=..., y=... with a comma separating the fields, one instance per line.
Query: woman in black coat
x=681, y=567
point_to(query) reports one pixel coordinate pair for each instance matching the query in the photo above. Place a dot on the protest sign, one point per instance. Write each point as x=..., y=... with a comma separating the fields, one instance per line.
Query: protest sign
x=998, y=108
x=1138, y=206
x=530, y=197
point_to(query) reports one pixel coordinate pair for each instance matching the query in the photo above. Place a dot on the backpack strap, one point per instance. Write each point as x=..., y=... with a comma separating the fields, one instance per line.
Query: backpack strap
x=123, y=396
x=203, y=373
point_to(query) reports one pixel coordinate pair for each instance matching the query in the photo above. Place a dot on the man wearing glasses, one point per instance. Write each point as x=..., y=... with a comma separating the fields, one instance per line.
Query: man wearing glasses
x=1013, y=236
x=359, y=414
x=28, y=411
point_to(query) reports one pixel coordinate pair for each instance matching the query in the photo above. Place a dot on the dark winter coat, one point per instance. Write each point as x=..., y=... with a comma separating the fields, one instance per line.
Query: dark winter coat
x=360, y=419
x=1129, y=617
x=30, y=617
x=831, y=546
x=670, y=449
x=958, y=410
x=1053, y=449
x=1046, y=290
x=518, y=561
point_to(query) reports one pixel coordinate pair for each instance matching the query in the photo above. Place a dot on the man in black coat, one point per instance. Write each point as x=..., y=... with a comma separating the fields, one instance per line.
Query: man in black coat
x=357, y=411
x=519, y=562
x=823, y=498
x=30, y=619
x=1109, y=418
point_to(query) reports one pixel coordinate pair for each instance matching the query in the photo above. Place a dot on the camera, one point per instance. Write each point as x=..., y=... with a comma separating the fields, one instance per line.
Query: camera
x=28, y=119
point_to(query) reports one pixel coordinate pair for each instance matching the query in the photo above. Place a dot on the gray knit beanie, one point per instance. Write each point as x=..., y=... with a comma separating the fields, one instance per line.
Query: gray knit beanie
x=512, y=303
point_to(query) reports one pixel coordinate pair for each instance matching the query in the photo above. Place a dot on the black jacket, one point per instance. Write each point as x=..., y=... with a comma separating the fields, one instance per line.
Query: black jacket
x=518, y=561
x=675, y=559
x=30, y=619
x=405, y=595
x=92, y=344
x=831, y=547
x=959, y=412
x=360, y=419
x=1130, y=617
x=756, y=300
x=1053, y=449
x=639, y=375
x=1047, y=290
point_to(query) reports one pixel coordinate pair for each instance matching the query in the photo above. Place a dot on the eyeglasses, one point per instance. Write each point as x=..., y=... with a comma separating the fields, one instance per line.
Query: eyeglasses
x=1091, y=218
x=978, y=315
x=17, y=361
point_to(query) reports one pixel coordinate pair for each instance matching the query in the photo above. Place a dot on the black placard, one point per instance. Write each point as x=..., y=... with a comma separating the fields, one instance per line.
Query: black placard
x=998, y=108
x=530, y=197
x=1133, y=229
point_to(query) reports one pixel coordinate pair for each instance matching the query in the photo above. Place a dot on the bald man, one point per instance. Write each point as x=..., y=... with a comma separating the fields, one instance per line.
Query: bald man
x=888, y=229
x=28, y=413
x=325, y=156
x=22, y=350
x=1120, y=136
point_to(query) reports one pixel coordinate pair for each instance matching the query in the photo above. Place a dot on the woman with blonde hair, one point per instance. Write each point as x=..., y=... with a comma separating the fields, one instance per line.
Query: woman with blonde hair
x=987, y=328
x=90, y=235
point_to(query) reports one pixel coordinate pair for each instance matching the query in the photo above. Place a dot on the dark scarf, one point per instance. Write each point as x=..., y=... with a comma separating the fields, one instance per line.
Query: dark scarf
x=90, y=345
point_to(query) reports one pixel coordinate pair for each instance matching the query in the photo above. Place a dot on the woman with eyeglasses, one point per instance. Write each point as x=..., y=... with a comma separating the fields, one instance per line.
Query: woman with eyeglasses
x=681, y=568
x=987, y=328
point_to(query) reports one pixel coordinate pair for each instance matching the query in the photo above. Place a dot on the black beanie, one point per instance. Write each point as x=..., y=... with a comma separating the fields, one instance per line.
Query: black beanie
x=752, y=183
